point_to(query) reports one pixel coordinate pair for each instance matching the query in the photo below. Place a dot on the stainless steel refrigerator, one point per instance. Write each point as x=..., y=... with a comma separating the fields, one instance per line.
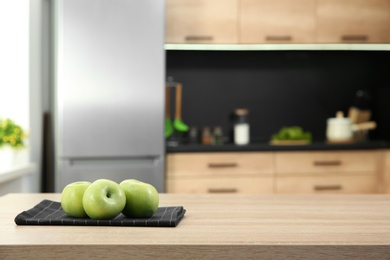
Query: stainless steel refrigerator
x=109, y=90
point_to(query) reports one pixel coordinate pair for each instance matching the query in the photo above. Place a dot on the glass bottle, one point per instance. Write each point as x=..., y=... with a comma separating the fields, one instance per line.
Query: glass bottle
x=241, y=127
x=217, y=136
x=193, y=135
x=206, y=135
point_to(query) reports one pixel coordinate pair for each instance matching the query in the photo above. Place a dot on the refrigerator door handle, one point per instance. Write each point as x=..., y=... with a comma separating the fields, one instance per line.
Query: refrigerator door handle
x=146, y=161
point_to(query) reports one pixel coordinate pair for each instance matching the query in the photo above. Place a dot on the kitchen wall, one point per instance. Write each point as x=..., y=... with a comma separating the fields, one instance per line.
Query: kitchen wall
x=281, y=88
x=40, y=83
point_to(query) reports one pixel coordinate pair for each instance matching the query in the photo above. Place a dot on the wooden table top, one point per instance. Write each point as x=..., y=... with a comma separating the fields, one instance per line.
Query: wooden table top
x=216, y=226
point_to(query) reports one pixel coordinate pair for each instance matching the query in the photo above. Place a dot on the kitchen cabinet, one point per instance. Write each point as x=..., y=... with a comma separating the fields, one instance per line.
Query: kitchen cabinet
x=330, y=171
x=220, y=173
x=281, y=21
x=277, y=172
x=332, y=183
x=353, y=21
x=242, y=23
x=246, y=185
x=386, y=172
x=324, y=162
x=201, y=21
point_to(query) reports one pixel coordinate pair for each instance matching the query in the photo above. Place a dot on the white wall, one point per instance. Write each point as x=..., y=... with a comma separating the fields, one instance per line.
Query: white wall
x=40, y=83
x=37, y=7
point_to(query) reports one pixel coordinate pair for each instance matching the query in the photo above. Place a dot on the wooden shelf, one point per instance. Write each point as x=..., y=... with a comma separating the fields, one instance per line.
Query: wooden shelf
x=278, y=47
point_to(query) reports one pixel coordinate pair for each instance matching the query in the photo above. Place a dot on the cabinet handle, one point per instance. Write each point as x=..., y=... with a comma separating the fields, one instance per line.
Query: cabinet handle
x=327, y=163
x=327, y=187
x=273, y=38
x=222, y=165
x=222, y=190
x=356, y=38
x=199, y=38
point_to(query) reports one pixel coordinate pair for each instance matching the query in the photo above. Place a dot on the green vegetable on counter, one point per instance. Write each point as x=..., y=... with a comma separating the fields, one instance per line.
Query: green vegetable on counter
x=292, y=133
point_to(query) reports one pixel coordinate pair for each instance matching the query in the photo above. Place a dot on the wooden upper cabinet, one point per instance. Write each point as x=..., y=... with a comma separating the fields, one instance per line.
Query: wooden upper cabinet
x=353, y=21
x=277, y=21
x=201, y=21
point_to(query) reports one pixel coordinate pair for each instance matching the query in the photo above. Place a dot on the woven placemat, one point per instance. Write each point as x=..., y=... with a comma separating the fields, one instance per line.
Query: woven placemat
x=49, y=212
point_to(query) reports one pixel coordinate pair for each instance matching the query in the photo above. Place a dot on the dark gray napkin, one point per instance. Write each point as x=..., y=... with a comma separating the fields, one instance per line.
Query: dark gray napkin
x=49, y=212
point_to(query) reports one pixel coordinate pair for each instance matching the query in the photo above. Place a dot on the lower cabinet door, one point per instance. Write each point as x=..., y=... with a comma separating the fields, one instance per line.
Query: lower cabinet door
x=243, y=185
x=327, y=184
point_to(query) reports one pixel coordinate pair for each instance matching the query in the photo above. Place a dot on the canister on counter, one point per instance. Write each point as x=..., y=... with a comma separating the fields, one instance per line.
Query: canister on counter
x=193, y=136
x=241, y=127
x=206, y=135
x=217, y=135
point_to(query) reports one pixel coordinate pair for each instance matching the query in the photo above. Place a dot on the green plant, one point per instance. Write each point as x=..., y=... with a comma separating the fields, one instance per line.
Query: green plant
x=11, y=134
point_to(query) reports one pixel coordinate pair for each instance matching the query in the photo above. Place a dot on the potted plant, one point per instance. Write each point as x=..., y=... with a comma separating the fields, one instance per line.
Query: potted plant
x=12, y=141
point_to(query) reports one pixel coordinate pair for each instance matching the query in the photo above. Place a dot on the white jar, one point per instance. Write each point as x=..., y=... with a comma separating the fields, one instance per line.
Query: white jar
x=241, y=134
x=241, y=127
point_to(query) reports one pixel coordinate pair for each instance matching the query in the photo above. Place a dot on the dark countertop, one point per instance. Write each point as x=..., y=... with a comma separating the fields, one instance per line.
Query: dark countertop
x=319, y=146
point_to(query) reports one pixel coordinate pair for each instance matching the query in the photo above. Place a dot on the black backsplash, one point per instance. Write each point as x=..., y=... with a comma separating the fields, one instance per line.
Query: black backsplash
x=280, y=88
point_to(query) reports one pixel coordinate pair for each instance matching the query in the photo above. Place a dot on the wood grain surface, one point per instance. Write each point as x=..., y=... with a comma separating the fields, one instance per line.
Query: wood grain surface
x=216, y=226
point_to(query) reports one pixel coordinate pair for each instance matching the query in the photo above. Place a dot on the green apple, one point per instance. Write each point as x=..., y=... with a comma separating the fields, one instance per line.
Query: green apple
x=72, y=199
x=103, y=199
x=141, y=199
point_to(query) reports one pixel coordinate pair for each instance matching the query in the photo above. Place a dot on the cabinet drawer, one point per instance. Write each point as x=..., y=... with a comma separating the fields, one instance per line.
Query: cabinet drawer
x=327, y=184
x=219, y=164
x=326, y=162
x=253, y=185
